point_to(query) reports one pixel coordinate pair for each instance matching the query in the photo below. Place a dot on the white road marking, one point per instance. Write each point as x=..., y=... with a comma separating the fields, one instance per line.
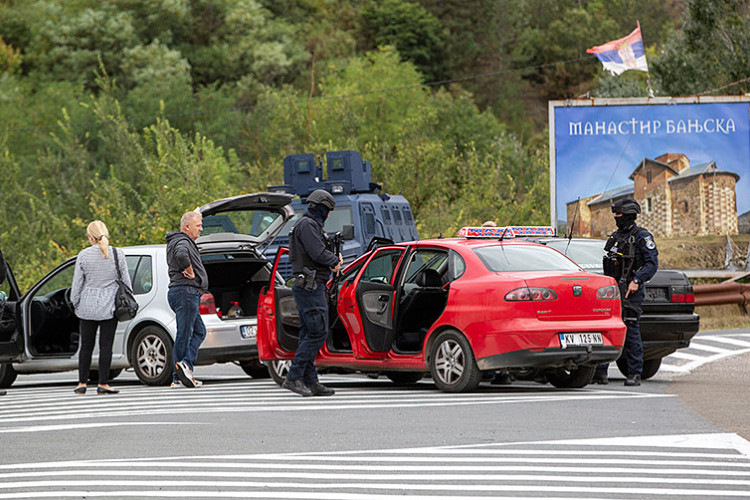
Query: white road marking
x=711, y=465
x=684, y=355
x=701, y=346
x=91, y=425
x=725, y=340
x=58, y=405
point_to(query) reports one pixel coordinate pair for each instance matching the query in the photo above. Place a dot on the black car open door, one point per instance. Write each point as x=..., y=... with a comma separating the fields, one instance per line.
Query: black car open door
x=11, y=324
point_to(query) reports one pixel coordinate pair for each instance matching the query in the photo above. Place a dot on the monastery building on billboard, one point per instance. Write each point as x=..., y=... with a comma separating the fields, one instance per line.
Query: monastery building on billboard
x=676, y=200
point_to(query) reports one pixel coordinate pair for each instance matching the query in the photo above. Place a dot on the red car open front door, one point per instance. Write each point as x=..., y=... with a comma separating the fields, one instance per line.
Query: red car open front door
x=278, y=319
x=367, y=305
x=11, y=321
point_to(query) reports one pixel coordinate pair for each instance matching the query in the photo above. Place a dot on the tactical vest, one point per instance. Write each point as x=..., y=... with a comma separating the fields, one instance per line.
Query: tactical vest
x=621, y=257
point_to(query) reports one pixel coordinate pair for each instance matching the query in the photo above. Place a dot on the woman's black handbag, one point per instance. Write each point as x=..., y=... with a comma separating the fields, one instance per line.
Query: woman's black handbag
x=125, y=305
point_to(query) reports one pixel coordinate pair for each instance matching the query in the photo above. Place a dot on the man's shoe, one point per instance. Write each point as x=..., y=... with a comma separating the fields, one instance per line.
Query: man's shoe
x=3, y=393
x=297, y=386
x=633, y=380
x=185, y=374
x=319, y=389
x=601, y=379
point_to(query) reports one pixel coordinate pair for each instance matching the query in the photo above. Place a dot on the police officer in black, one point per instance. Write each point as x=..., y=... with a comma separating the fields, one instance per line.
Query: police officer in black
x=312, y=264
x=632, y=259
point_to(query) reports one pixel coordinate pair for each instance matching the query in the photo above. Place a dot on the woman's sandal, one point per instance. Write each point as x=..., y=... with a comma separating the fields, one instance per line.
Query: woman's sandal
x=80, y=390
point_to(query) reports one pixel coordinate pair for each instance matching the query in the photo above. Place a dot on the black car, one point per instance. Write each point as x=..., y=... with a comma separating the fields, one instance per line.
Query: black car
x=668, y=321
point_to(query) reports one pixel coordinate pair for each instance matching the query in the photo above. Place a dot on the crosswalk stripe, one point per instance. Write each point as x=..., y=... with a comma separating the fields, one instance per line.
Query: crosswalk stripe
x=725, y=340
x=702, y=346
x=716, y=465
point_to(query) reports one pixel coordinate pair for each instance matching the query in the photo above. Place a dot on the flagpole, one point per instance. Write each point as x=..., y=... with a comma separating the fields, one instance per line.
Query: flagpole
x=648, y=73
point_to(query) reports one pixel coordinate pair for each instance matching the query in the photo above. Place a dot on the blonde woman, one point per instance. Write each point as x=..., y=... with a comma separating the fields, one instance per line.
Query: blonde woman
x=93, y=297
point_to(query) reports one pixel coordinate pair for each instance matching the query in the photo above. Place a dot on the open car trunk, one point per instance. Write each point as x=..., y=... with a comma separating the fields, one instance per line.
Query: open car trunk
x=236, y=277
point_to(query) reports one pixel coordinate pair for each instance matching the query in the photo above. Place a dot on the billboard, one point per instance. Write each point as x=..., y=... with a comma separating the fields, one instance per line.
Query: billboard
x=685, y=160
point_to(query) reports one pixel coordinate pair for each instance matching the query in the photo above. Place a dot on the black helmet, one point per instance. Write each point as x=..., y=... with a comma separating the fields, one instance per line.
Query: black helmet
x=321, y=197
x=626, y=206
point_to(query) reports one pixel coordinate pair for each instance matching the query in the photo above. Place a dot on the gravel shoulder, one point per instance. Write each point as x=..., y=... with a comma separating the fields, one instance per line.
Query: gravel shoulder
x=719, y=392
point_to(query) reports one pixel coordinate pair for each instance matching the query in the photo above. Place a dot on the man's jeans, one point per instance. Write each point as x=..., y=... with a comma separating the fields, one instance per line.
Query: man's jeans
x=313, y=315
x=184, y=301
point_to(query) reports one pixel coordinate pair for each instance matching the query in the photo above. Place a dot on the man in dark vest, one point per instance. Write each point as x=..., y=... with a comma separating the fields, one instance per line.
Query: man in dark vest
x=312, y=264
x=632, y=259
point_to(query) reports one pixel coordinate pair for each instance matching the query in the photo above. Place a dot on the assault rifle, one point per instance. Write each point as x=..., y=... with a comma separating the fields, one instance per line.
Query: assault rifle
x=333, y=244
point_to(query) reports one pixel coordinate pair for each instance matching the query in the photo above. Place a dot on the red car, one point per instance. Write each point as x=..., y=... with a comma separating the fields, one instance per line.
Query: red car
x=455, y=308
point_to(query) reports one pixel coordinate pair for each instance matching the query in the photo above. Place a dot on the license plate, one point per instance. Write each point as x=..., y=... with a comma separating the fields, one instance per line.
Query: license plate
x=579, y=339
x=248, y=332
x=659, y=294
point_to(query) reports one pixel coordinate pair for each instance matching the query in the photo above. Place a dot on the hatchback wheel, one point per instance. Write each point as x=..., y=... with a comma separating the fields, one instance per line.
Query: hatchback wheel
x=452, y=363
x=575, y=378
x=278, y=369
x=650, y=367
x=7, y=375
x=151, y=356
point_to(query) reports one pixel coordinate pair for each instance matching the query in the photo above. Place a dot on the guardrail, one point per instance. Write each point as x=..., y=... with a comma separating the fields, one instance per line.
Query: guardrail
x=723, y=293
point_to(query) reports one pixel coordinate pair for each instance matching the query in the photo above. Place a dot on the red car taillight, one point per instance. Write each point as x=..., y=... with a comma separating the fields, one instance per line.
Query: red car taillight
x=608, y=292
x=208, y=305
x=530, y=293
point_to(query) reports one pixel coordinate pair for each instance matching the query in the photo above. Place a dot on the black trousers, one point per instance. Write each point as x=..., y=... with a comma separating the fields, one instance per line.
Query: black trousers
x=88, y=339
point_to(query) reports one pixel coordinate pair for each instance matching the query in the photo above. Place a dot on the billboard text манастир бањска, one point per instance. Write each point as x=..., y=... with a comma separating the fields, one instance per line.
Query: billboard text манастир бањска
x=686, y=162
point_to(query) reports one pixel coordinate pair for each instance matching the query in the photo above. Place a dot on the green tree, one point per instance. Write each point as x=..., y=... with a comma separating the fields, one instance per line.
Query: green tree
x=711, y=50
x=417, y=35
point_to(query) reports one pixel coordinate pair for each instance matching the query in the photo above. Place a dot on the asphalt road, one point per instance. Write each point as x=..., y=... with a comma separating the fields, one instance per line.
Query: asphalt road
x=673, y=437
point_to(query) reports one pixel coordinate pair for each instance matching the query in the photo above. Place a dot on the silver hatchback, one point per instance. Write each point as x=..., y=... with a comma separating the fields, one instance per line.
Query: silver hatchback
x=39, y=332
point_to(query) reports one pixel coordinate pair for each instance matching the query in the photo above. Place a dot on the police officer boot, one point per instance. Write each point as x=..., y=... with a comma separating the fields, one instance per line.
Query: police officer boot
x=319, y=389
x=297, y=386
x=633, y=380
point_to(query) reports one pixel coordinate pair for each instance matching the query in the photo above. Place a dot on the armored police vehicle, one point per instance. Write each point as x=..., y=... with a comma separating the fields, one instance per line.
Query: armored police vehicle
x=362, y=212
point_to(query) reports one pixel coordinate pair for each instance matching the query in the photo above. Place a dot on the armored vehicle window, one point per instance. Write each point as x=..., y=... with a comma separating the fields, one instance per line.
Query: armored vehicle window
x=407, y=215
x=396, y=215
x=386, y=215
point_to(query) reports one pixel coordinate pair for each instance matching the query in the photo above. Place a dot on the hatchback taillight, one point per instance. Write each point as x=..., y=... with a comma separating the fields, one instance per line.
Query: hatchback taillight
x=608, y=292
x=530, y=293
x=208, y=305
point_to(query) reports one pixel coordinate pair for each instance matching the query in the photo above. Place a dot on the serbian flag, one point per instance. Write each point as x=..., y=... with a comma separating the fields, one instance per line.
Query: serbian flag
x=623, y=54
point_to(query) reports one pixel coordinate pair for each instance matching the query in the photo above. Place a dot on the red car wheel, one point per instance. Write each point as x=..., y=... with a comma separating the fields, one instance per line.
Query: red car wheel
x=452, y=363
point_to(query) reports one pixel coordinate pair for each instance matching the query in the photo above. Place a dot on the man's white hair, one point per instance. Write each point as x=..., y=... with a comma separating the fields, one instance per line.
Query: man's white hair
x=189, y=218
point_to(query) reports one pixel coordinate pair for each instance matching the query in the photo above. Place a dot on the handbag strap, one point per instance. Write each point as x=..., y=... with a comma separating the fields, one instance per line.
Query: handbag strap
x=117, y=264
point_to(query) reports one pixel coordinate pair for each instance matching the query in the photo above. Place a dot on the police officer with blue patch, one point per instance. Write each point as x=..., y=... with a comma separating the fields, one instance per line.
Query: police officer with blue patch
x=312, y=264
x=632, y=259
